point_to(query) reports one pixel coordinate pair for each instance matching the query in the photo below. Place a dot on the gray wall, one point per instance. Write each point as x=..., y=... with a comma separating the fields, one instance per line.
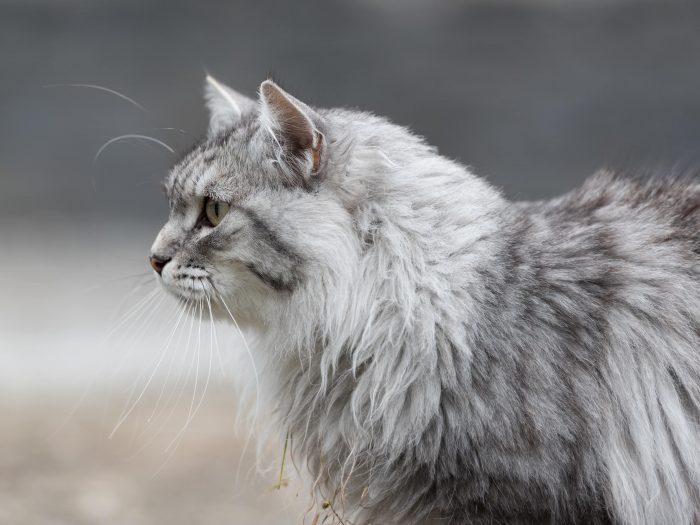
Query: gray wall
x=534, y=95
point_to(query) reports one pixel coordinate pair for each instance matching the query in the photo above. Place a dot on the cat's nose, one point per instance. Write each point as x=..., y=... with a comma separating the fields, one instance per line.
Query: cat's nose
x=158, y=262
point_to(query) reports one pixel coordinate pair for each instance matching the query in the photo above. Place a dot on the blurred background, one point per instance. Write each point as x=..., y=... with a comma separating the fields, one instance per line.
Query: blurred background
x=114, y=410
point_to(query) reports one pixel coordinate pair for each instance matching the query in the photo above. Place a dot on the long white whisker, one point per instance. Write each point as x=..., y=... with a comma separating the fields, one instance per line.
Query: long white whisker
x=174, y=129
x=199, y=347
x=138, y=307
x=203, y=395
x=135, y=289
x=141, y=377
x=180, y=384
x=141, y=328
x=257, y=386
x=132, y=136
x=98, y=373
x=186, y=307
x=196, y=381
x=102, y=88
x=140, y=276
x=215, y=338
x=155, y=370
x=139, y=380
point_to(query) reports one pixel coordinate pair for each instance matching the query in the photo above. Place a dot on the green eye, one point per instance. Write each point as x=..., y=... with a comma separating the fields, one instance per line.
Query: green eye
x=215, y=211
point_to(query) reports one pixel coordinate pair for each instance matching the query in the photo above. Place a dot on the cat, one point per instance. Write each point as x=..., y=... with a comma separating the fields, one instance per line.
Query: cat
x=435, y=352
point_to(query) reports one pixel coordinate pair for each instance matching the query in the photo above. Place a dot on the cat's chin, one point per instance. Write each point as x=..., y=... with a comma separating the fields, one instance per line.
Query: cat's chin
x=214, y=306
x=187, y=294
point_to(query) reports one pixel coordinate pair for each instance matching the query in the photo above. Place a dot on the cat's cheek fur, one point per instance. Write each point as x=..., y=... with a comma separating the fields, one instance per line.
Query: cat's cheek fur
x=243, y=296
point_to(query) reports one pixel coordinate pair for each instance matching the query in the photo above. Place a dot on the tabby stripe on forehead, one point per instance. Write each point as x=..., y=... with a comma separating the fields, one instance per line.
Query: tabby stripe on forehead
x=177, y=182
x=179, y=177
x=185, y=166
x=180, y=180
x=195, y=180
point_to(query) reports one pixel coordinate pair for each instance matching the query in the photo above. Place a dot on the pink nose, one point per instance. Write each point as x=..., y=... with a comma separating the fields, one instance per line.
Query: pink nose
x=158, y=263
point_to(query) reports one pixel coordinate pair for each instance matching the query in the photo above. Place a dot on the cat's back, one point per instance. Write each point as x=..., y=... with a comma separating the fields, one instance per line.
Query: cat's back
x=627, y=248
x=628, y=220
x=619, y=258
x=672, y=204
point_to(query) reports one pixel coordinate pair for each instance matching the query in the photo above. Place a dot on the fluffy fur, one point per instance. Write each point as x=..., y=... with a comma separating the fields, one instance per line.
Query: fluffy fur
x=437, y=353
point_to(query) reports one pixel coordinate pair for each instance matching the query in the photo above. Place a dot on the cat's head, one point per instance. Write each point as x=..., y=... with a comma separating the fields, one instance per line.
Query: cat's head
x=257, y=209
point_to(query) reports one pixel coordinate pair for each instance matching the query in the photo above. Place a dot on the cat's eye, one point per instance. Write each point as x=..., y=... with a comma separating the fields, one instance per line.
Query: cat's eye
x=215, y=211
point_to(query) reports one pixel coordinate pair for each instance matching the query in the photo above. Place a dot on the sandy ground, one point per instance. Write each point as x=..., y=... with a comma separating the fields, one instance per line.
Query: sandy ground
x=56, y=472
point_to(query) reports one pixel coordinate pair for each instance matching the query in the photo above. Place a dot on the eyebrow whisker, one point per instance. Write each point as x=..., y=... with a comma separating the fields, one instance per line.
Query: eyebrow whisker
x=132, y=136
x=102, y=88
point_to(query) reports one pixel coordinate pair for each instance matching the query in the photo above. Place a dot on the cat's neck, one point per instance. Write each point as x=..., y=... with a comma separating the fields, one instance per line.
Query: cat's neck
x=427, y=239
x=359, y=357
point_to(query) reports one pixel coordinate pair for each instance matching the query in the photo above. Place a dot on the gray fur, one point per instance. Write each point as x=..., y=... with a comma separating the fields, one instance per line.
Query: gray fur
x=437, y=353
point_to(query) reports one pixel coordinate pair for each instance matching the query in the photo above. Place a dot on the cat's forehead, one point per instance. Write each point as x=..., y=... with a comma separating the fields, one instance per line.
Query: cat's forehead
x=223, y=169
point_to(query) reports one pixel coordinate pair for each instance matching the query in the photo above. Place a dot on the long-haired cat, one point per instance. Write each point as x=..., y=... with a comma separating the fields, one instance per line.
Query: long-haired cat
x=436, y=353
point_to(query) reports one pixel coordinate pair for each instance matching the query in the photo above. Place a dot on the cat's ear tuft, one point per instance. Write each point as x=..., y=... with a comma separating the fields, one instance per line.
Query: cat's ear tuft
x=226, y=106
x=294, y=127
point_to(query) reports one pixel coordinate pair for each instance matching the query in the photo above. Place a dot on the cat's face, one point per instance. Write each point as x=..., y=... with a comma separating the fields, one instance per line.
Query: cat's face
x=250, y=219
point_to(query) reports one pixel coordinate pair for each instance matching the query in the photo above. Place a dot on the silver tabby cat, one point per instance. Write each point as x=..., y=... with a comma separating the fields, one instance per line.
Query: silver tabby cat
x=437, y=353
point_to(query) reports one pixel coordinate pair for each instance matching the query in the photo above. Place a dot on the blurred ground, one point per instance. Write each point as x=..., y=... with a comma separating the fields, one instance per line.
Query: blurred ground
x=77, y=476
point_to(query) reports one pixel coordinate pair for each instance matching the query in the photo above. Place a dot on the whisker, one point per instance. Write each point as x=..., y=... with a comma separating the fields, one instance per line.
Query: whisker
x=170, y=368
x=202, y=396
x=199, y=346
x=180, y=130
x=139, y=380
x=139, y=306
x=97, y=374
x=257, y=386
x=179, y=387
x=196, y=381
x=102, y=88
x=204, y=391
x=155, y=370
x=139, y=329
x=102, y=283
x=215, y=338
x=132, y=136
x=136, y=287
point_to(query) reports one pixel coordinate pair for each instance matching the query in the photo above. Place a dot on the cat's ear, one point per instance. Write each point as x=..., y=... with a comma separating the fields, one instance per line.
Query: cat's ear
x=294, y=126
x=226, y=106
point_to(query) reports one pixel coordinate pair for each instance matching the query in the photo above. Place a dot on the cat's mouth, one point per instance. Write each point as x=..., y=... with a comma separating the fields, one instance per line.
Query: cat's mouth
x=188, y=282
